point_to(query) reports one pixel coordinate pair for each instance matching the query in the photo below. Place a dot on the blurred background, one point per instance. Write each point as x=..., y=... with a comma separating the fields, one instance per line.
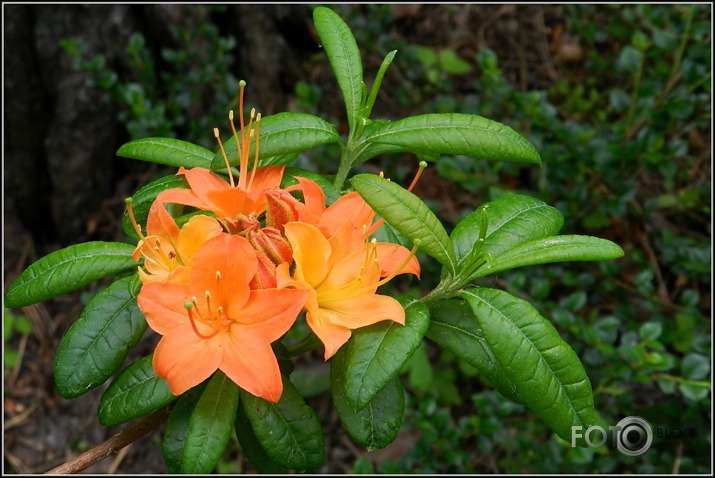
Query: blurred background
x=616, y=98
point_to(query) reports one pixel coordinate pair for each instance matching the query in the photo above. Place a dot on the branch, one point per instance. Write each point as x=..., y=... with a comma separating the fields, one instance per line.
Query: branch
x=112, y=445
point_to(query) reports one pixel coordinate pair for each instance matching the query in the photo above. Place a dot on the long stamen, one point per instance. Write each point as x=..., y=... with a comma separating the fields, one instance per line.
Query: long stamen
x=130, y=212
x=423, y=165
x=190, y=305
x=225, y=158
x=257, y=137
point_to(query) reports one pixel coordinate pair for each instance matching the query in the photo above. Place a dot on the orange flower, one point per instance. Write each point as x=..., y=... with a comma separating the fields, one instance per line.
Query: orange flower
x=234, y=204
x=217, y=321
x=168, y=250
x=341, y=277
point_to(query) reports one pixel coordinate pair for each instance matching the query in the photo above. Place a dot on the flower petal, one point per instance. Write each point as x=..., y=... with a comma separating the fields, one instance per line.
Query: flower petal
x=249, y=361
x=224, y=266
x=201, y=181
x=265, y=178
x=181, y=196
x=392, y=256
x=311, y=252
x=332, y=335
x=363, y=311
x=194, y=234
x=351, y=208
x=270, y=312
x=163, y=305
x=185, y=360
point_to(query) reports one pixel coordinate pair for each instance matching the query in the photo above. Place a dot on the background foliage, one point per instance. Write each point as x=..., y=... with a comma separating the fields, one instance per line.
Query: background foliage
x=617, y=100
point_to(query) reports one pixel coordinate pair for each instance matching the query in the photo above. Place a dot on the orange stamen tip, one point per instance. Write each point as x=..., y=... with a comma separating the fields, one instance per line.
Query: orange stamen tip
x=230, y=115
x=128, y=201
x=242, y=84
x=188, y=304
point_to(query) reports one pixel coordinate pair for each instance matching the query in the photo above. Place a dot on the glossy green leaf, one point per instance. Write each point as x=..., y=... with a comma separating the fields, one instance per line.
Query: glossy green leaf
x=554, y=249
x=375, y=89
x=512, y=220
x=281, y=134
x=136, y=392
x=97, y=344
x=342, y=50
x=172, y=152
x=252, y=448
x=408, y=214
x=288, y=430
x=143, y=199
x=454, y=328
x=210, y=425
x=177, y=429
x=375, y=354
x=68, y=269
x=455, y=133
x=546, y=372
x=377, y=424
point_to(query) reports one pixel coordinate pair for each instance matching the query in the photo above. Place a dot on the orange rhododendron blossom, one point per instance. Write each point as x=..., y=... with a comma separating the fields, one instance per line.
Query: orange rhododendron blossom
x=168, y=250
x=342, y=281
x=217, y=321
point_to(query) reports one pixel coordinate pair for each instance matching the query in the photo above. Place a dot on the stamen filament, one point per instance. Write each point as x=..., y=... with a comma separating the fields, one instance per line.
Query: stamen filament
x=130, y=212
x=189, y=306
x=423, y=165
x=257, y=136
x=225, y=158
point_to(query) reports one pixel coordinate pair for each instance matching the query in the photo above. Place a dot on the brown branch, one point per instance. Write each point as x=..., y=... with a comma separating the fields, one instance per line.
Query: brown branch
x=112, y=445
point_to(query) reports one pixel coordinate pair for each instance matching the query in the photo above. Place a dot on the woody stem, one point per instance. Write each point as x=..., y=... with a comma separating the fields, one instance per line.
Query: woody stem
x=112, y=445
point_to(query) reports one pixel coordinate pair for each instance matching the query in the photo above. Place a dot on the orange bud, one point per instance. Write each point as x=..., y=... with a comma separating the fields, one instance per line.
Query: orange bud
x=280, y=209
x=269, y=242
x=265, y=277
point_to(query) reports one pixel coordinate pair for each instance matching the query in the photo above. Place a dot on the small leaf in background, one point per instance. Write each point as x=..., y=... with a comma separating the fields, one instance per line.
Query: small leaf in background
x=211, y=425
x=97, y=344
x=137, y=391
x=408, y=214
x=68, y=269
x=695, y=366
x=172, y=152
x=650, y=331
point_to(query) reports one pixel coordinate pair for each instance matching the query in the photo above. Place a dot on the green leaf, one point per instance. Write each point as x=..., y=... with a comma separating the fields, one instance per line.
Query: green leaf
x=144, y=198
x=367, y=109
x=331, y=194
x=695, y=366
x=97, y=344
x=377, y=424
x=345, y=60
x=546, y=372
x=68, y=269
x=177, y=429
x=288, y=430
x=375, y=354
x=136, y=392
x=454, y=133
x=512, y=220
x=408, y=214
x=554, y=249
x=454, y=328
x=252, y=448
x=280, y=135
x=210, y=425
x=172, y=152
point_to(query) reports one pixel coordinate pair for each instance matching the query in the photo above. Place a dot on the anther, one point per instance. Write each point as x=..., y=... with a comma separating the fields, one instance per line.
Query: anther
x=423, y=165
x=255, y=160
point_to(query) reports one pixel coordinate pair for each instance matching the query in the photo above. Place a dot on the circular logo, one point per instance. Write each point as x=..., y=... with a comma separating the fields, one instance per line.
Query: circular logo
x=634, y=437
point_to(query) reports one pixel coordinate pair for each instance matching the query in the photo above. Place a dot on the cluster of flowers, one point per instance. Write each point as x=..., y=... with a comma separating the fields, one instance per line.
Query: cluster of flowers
x=235, y=277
